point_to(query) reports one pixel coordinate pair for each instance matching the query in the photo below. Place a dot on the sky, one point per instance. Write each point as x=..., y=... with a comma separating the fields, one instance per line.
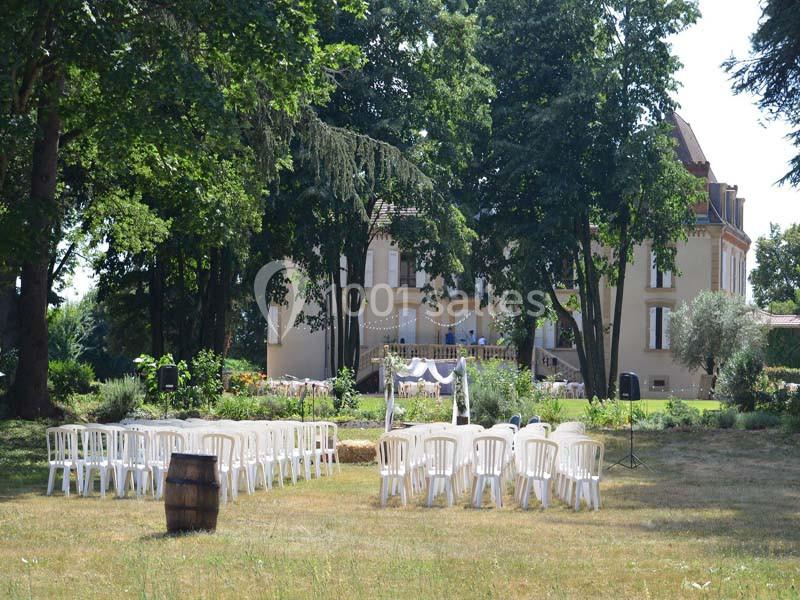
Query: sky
x=744, y=148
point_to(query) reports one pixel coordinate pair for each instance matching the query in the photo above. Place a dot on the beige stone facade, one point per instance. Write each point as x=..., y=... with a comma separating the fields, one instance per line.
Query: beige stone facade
x=395, y=312
x=713, y=257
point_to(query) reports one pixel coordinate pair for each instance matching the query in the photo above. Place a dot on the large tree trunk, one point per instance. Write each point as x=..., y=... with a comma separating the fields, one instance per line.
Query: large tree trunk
x=183, y=315
x=331, y=332
x=356, y=265
x=616, y=325
x=340, y=321
x=208, y=297
x=9, y=307
x=222, y=301
x=590, y=292
x=31, y=398
x=590, y=339
x=525, y=351
x=216, y=301
x=524, y=336
x=157, y=309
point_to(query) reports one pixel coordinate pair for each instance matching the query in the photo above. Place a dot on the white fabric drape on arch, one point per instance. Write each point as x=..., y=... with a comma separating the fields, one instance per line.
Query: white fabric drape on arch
x=417, y=368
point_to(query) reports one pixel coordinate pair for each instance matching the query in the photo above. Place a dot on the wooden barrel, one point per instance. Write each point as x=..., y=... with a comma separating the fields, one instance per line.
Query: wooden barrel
x=191, y=496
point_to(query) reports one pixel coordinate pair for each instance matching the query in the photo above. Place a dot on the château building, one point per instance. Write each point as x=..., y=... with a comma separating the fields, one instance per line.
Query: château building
x=712, y=258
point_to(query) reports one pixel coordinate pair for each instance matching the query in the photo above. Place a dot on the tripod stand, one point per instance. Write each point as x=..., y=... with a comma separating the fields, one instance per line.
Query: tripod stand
x=630, y=461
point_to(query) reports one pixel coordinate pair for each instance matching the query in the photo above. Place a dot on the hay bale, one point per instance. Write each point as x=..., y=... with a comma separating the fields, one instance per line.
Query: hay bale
x=356, y=451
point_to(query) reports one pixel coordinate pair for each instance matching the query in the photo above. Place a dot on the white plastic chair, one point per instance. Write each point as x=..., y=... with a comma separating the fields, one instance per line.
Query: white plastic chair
x=222, y=446
x=329, y=444
x=586, y=466
x=63, y=453
x=166, y=442
x=267, y=448
x=541, y=428
x=490, y=457
x=465, y=434
x=507, y=431
x=416, y=454
x=571, y=427
x=245, y=458
x=96, y=455
x=520, y=438
x=290, y=453
x=114, y=451
x=309, y=450
x=537, y=469
x=393, y=461
x=564, y=485
x=510, y=426
x=441, y=454
x=135, y=461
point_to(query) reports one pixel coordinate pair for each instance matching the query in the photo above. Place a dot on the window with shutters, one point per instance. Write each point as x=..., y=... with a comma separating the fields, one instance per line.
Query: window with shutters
x=393, y=260
x=659, y=279
x=368, y=269
x=407, y=274
x=422, y=279
x=743, y=276
x=566, y=278
x=549, y=335
x=724, y=283
x=564, y=336
x=659, y=327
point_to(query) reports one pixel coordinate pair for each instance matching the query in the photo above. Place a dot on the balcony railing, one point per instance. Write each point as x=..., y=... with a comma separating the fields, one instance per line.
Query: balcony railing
x=435, y=352
x=552, y=364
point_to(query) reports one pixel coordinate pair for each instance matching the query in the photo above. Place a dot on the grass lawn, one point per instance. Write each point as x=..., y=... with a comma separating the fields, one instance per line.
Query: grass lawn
x=573, y=408
x=360, y=433
x=717, y=516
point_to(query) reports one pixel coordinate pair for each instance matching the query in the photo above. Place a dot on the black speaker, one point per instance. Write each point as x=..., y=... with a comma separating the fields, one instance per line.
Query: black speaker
x=167, y=378
x=629, y=387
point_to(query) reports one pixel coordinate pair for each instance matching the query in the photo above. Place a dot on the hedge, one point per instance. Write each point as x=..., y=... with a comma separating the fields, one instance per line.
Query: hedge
x=787, y=374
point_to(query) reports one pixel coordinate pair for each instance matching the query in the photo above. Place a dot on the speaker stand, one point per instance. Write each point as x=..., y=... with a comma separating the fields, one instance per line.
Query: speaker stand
x=629, y=461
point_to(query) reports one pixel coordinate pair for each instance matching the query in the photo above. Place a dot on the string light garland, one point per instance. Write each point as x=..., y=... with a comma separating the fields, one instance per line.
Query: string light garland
x=392, y=327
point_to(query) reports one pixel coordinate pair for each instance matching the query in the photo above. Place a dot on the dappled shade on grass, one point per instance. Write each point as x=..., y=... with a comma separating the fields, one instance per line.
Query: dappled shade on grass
x=718, y=507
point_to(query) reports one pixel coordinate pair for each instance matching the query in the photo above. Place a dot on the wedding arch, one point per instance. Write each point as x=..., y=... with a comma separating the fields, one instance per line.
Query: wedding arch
x=417, y=367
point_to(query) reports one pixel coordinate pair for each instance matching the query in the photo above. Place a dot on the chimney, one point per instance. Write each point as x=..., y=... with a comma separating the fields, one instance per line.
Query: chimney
x=730, y=205
x=715, y=198
x=740, y=213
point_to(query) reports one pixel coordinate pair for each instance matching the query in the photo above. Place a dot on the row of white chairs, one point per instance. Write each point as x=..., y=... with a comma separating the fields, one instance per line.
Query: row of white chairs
x=292, y=387
x=136, y=454
x=449, y=459
x=426, y=389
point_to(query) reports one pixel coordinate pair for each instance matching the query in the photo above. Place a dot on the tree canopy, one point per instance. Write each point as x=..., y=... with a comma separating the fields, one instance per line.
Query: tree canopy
x=706, y=332
x=580, y=167
x=772, y=70
x=776, y=277
x=422, y=92
x=179, y=146
x=156, y=90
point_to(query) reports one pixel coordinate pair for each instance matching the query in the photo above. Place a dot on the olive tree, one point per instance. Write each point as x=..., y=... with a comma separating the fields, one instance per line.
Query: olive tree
x=710, y=329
